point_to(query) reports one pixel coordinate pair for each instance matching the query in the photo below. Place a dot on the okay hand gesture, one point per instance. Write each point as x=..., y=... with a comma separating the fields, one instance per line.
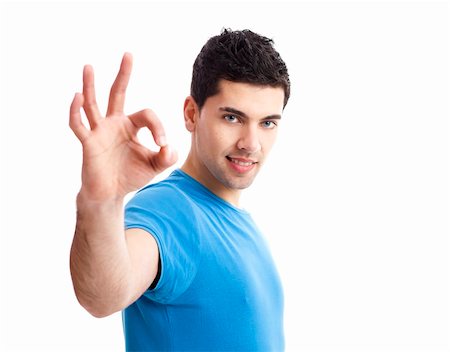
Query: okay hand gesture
x=114, y=161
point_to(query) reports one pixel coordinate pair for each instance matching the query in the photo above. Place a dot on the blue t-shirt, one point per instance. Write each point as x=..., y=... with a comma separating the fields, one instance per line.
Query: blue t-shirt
x=218, y=290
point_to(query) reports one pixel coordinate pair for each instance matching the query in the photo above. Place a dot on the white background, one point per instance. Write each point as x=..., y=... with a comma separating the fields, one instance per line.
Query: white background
x=353, y=200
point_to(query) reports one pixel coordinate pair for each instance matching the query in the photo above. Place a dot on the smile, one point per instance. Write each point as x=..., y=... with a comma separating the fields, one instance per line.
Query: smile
x=241, y=165
x=241, y=162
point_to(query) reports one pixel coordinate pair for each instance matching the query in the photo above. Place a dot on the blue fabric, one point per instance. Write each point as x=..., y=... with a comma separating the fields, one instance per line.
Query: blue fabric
x=218, y=290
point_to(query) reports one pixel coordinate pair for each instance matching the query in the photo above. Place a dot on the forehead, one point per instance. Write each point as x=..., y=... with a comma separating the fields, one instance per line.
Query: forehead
x=249, y=98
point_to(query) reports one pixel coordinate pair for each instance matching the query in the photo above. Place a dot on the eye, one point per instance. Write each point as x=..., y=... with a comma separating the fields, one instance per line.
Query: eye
x=231, y=118
x=269, y=124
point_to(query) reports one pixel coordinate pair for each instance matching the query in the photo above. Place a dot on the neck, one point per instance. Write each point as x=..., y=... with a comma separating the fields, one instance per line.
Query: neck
x=201, y=174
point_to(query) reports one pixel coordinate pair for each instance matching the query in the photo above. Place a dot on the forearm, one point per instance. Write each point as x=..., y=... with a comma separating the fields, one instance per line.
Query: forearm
x=99, y=259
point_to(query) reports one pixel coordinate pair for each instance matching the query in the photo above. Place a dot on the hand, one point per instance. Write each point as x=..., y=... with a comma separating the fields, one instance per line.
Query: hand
x=114, y=161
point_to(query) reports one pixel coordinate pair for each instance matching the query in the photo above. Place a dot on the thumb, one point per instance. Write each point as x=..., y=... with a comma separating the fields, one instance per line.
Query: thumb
x=165, y=158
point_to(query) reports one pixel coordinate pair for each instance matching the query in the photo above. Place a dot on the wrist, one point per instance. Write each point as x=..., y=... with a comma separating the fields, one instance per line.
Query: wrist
x=99, y=217
x=87, y=200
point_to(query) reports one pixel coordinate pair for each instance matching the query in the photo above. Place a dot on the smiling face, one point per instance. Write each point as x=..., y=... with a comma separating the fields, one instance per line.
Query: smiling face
x=232, y=135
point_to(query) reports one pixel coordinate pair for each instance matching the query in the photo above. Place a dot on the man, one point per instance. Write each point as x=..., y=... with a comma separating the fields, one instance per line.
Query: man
x=190, y=271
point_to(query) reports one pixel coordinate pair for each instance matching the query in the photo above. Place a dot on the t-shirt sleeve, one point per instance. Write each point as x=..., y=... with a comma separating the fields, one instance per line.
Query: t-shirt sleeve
x=165, y=213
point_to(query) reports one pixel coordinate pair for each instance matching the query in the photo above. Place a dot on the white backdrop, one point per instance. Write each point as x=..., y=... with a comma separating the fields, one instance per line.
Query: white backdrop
x=353, y=200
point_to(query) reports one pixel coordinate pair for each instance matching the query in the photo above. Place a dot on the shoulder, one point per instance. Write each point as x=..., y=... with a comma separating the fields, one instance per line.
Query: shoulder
x=166, y=211
x=163, y=208
x=167, y=195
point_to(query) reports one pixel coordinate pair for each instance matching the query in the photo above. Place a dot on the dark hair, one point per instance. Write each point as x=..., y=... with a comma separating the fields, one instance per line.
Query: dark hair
x=238, y=56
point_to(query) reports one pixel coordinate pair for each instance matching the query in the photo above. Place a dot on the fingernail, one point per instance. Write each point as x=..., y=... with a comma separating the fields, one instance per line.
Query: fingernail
x=162, y=141
x=167, y=153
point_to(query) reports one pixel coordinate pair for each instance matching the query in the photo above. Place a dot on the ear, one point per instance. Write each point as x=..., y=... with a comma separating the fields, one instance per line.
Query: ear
x=191, y=113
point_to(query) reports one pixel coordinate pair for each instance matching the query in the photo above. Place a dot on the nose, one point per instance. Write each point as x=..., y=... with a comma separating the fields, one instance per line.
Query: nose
x=249, y=140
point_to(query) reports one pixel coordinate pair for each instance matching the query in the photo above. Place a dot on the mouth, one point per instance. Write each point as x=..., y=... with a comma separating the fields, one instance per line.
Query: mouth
x=241, y=165
x=241, y=161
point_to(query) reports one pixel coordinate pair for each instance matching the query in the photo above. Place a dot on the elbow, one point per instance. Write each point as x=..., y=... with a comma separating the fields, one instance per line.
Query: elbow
x=95, y=307
x=97, y=298
x=99, y=313
x=98, y=310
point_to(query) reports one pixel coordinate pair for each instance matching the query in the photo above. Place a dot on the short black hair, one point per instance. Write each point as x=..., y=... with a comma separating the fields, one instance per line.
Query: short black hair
x=237, y=56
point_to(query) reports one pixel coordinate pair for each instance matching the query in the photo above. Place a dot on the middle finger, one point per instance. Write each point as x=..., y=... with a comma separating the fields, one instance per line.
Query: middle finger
x=119, y=87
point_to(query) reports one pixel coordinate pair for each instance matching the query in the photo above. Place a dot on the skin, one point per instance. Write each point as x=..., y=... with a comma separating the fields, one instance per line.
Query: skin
x=111, y=267
x=238, y=124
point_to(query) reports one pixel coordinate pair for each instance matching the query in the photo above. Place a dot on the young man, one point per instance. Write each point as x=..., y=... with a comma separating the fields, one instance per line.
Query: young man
x=190, y=270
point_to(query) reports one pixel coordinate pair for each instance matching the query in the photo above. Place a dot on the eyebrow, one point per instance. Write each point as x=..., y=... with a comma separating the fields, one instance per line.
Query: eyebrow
x=244, y=115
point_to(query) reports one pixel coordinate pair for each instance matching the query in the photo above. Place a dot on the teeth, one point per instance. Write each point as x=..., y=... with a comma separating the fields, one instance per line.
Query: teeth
x=241, y=162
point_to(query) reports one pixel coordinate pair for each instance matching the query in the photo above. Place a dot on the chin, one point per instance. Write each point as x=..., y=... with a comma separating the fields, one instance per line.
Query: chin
x=232, y=180
x=239, y=182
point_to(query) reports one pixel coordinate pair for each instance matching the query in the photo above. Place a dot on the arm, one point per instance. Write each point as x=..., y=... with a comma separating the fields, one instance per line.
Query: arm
x=111, y=268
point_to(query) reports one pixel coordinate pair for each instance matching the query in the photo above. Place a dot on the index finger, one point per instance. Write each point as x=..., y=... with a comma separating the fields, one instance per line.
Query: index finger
x=147, y=118
x=119, y=87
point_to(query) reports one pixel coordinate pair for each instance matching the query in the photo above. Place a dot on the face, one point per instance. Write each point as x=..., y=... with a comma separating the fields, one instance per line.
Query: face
x=232, y=135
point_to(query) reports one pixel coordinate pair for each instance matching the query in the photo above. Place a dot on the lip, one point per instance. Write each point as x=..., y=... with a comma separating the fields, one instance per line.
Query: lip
x=241, y=165
x=240, y=159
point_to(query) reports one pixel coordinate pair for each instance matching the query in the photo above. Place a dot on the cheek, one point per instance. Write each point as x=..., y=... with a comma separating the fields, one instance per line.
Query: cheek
x=220, y=138
x=209, y=139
